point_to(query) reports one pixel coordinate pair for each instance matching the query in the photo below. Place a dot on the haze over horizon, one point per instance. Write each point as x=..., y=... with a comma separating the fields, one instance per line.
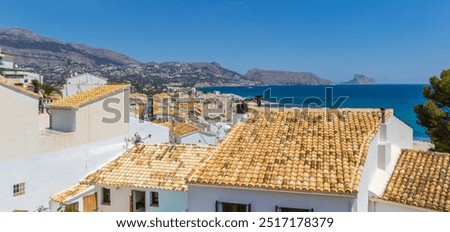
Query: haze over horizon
x=392, y=41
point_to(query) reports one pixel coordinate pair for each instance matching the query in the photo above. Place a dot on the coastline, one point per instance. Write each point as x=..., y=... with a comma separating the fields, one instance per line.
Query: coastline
x=376, y=84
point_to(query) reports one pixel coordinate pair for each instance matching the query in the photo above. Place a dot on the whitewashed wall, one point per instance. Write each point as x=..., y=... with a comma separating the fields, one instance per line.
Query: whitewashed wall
x=50, y=173
x=198, y=138
x=19, y=124
x=220, y=129
x=6, y=63
x=169, y=201
x=63, y=120
x=81, y=83
x=44, y=121
x=27, y=77
x=386, y=206
x=50, y=162
x=381, y=159
x=89, y=124
x=159, y=134
x=203, y=198
x=368, y=175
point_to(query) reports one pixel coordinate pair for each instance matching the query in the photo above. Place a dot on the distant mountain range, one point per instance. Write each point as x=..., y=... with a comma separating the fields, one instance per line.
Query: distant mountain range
x=58, y=60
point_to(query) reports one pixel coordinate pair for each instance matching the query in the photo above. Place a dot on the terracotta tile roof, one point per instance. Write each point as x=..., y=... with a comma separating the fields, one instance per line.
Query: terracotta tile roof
x=161, y=166
x=315, y=151
x=180, y=129
x=139, y=96
x=86, y=97
x=161, y=96
x=18, y=89
x=421, y=179
x=67, y=194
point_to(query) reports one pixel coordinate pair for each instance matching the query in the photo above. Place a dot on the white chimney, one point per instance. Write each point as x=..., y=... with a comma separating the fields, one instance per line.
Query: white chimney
x=384, y=155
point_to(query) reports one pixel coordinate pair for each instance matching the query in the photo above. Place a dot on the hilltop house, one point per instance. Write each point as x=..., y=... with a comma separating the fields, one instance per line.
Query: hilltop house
x=82, y=82
x=420, y=182
x=6, y=61
x=14, y=76
x=22, y=78
x=42, y=153
x=315, y=160
x=146, y=178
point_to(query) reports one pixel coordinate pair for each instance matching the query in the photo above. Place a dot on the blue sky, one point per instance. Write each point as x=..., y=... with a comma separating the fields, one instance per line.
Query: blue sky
x=394, y=41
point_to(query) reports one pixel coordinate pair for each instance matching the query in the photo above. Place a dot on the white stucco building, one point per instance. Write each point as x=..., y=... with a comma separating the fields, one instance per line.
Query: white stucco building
x=42, y=154
x=146, y=178
x=198, y=137
x=82, y=82
x=189, y=134
x=419, y=183
x=22, y=78
x=6, y=61
x=15, y=76
x=19, y=122
x=320, y=160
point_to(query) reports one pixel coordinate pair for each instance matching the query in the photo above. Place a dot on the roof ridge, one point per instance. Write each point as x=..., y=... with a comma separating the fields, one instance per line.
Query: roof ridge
x=86, y=97
x=160, y=166
x=317, y=156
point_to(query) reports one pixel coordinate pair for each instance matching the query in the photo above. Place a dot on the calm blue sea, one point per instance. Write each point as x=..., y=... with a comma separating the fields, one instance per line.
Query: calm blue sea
x=401, y=98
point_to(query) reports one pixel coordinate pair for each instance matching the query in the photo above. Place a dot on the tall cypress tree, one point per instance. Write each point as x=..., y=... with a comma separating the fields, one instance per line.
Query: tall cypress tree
x=434, y=115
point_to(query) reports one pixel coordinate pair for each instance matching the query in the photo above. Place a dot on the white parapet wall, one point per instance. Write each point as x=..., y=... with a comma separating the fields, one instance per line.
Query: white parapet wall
x=81, y=83
x=151, y=133
x=47, y=174
x=19, y=124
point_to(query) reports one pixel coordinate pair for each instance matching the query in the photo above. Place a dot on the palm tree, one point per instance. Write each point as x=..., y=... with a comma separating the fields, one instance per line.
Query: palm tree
x=35, y=84
x=48, y=90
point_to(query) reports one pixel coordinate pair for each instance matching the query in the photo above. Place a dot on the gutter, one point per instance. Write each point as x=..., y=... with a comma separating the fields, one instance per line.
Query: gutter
x=276, y=190
x=373, y=202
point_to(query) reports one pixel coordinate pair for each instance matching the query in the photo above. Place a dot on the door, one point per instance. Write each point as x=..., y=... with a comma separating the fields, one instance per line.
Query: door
x=90, y=203
x=138, y=201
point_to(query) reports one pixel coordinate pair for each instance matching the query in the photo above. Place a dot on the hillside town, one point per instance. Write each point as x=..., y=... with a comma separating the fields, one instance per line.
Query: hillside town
x=91, y=145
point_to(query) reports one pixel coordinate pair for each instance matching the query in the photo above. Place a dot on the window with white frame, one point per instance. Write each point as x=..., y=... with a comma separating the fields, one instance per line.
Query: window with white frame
x=19, y=189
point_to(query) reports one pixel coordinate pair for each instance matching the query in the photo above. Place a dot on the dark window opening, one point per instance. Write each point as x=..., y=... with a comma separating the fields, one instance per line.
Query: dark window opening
x=106, y=196
x=289, y=209
x=18, y=189
x=154, y=199
x=72, y=207
x=232, y=207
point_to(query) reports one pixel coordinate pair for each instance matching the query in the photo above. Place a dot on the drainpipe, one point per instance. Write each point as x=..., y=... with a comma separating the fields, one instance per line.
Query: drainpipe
x=50, y=117
x=383, y=115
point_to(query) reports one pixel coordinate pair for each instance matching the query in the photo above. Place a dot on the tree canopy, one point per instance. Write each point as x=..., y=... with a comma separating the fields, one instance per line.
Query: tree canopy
x=434, y=115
